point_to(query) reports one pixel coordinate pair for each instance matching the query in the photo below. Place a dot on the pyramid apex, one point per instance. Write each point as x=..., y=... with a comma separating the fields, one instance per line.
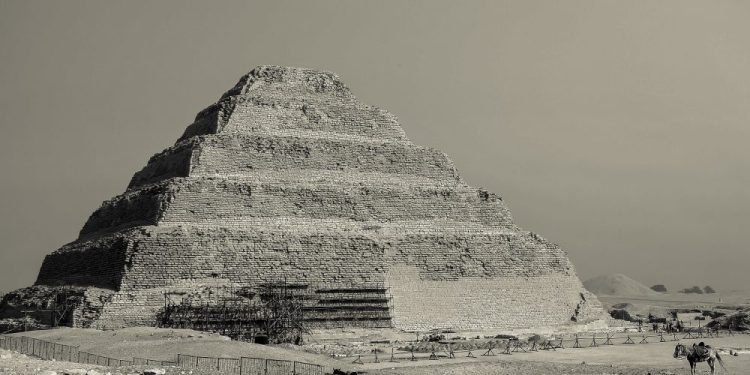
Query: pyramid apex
x=303, y=79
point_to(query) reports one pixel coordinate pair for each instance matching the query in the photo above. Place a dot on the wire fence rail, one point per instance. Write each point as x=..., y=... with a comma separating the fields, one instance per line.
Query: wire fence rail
x=412, y=352
x=241, y=366
x=445, y=350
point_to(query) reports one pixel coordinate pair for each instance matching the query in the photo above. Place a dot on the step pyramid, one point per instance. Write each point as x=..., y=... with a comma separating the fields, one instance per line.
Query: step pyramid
x=289, y=177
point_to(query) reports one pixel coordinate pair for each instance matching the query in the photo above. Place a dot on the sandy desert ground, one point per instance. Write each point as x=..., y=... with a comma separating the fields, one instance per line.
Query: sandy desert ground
x=654, y=358
x=165, y=344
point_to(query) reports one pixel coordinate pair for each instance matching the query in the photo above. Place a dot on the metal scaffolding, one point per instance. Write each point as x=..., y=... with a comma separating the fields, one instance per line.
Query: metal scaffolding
x=277, y=312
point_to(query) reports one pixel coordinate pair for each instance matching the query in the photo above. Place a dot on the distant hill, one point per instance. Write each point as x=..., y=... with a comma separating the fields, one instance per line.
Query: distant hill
x=617, y=285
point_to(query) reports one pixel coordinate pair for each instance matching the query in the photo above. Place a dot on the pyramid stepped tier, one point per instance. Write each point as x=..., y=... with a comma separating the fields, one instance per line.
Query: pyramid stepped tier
x=237, y=154
x=309, y=251
x=294, y=100
x=289, y=177
x=298, y=194
x=420, y=261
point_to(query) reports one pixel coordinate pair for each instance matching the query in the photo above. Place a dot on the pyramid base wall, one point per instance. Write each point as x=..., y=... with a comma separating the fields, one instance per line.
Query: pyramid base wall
x=481, y=305
x=498, y=303
x=479, y=281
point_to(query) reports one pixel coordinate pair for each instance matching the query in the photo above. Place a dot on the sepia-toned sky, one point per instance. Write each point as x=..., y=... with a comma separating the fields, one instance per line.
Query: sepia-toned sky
x=617, y=129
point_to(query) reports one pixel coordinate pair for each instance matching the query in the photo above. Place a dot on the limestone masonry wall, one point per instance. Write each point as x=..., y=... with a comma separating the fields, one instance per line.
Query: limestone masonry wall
x=501, y=303
x=99, y=263
x=157, y=256
x=172, y=162
x=288, y=177
x=229, y=155
x=246, y=155
x=271, y=98
x=133, y=208
x=207, y=199
x=471, y=281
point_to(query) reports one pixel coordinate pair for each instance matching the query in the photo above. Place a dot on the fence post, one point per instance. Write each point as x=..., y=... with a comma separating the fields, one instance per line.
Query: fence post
x=265, y=368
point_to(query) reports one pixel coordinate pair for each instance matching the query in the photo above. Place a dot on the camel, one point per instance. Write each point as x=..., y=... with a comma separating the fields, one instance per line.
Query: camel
x=699, y=353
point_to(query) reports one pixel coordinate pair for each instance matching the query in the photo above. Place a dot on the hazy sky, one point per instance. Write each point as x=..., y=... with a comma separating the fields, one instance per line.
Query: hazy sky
x=617, y=129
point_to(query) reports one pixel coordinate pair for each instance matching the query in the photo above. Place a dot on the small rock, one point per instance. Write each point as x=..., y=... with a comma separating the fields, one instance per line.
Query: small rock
x=155, y=371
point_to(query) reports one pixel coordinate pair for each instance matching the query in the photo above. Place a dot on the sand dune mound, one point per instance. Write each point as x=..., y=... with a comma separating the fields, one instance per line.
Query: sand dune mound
x=617, y=285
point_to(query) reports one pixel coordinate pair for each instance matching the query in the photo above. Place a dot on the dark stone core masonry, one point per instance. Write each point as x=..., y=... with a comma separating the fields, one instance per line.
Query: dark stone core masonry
x=288, y=177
